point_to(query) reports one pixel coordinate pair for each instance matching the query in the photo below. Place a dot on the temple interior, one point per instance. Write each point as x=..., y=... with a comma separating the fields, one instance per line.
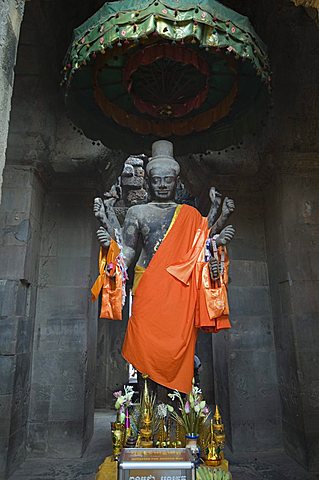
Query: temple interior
x=59, y=364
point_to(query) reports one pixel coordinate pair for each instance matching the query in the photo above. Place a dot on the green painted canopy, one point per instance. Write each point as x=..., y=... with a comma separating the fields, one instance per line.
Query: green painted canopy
x=142, y=70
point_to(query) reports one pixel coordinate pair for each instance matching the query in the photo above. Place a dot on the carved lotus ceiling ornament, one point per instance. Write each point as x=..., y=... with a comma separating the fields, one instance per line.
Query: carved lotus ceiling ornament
x=142, y=70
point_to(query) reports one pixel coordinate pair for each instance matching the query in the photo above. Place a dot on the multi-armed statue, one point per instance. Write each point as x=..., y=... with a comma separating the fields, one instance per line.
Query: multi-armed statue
x=180, y=280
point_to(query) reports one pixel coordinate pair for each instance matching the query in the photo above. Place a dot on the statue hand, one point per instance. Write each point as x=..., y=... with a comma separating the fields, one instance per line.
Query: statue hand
x=112, y=196
x=225, y=236
x=99, y=209
x=215, y=197
x=103, y=237
x=228, y=207
x=214, y=268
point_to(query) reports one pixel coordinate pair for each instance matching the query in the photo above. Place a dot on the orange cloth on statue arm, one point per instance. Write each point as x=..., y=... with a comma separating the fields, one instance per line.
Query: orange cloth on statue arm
x=109, y=282
x=212, y=310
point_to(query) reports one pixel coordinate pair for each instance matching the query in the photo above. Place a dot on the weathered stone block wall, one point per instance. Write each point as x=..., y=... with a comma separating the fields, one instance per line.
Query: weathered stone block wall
x=33, y=121
x=111, y=368
x=21, y=212
x=244, y=357
x=292, y=219
x=63, y=375
x=11, y=13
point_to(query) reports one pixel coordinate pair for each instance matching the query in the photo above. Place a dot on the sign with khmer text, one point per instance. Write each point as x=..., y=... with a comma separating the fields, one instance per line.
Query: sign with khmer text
x=156, y=464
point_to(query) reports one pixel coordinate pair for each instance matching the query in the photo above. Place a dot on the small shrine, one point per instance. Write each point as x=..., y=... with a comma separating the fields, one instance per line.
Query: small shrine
x=166, y=433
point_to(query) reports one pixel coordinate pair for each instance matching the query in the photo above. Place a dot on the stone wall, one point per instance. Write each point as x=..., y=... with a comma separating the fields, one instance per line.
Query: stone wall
x=292, y=219
x=244, y=357
x=11, y=13
x=20, y=214
x=63, y=375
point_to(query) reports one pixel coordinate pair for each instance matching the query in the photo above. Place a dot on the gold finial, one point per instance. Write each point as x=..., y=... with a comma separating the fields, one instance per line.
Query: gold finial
x=146, y=395
x=212, y=428
x=217, y=416
x=219, y=433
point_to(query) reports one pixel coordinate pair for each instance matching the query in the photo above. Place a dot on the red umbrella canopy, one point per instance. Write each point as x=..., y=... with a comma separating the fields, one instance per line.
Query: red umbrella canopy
x=138, y=71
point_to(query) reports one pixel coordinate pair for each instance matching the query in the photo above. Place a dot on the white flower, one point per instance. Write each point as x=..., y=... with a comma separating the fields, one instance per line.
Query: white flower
x=162, y=410
x=196, y=391
x=174, y=395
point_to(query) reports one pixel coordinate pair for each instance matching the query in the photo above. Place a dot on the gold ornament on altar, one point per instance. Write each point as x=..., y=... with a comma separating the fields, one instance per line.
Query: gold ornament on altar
x=146, y=424
x=117, y=439
x=219, y=428
x=162, y=434
x=216, y=441
x=213, y=450
x=145, y=436
x=146, y=433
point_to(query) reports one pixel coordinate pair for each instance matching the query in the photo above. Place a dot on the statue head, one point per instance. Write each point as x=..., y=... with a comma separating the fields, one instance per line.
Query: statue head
x=132, y=175
x=162, y=171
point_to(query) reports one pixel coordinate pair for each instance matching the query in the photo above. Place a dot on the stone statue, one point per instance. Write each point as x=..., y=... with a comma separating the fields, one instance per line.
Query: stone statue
x=155, y=221
x=128, y=191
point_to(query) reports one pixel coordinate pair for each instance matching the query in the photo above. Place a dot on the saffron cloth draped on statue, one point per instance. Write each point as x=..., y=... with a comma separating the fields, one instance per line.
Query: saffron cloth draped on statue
x=161, y=333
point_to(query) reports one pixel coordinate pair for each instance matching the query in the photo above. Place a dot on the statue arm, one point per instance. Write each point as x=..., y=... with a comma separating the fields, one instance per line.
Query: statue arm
x=103, y=212
x=227, y=210
x=217, y=228
x=215, y=198
x=130, y=233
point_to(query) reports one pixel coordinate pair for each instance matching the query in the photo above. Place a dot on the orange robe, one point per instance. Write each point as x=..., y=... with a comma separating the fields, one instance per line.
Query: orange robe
x=109, y=282
x=161, y=333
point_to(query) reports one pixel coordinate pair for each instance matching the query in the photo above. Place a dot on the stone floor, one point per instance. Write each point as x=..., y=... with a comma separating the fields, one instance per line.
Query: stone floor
x=261, y=467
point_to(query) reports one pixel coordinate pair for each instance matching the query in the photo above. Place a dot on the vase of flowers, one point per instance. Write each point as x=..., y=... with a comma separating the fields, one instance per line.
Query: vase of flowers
x=191, y=442
x=122, y=403
x=193, y=412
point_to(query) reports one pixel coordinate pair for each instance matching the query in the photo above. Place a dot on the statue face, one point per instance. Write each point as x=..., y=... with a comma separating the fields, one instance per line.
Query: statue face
x=133, y=174
x=163, y=183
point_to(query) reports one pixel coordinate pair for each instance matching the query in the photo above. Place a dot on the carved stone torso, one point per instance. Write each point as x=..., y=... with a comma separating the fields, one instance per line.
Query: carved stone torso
x=151, y=221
